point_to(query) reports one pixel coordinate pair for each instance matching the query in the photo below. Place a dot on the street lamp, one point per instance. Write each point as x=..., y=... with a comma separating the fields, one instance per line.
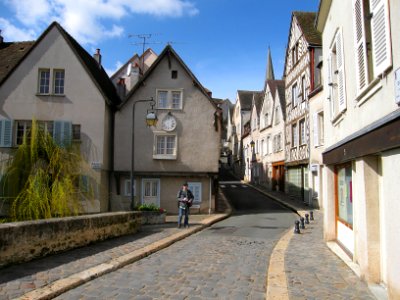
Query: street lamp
x=151, y=120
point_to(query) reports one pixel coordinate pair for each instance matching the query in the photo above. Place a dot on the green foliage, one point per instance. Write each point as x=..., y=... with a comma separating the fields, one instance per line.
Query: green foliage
x=149, y=207
x=42, y=178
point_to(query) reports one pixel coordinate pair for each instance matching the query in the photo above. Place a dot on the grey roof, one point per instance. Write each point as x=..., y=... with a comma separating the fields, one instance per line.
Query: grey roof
x=280, y=89
x=11, y=54
x=306, y=22
x=258, y=100
x=245, y=98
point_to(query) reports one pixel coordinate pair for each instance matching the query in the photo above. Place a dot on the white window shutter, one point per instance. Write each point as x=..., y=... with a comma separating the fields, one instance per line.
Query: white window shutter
x=316, y=129
x=380, y=29
x=195, y=187
x=360, y=45
x=341, y=82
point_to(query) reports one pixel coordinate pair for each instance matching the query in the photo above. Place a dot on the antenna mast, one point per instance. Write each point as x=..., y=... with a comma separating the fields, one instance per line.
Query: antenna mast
x=144, y=37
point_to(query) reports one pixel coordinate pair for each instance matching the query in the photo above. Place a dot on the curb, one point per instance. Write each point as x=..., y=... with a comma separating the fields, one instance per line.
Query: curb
x=60, y=286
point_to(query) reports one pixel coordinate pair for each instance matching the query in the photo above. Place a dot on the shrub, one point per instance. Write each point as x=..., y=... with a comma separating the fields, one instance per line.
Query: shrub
x=150, y=207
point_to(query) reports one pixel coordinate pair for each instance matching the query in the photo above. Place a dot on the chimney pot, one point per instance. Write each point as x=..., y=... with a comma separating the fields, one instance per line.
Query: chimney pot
x=97, y=57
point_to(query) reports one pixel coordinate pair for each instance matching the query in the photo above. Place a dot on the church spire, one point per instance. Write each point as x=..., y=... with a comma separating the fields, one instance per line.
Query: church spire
x=270, y=68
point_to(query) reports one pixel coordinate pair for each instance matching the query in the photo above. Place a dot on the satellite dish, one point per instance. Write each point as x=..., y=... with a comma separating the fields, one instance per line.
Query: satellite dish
x=129, y=70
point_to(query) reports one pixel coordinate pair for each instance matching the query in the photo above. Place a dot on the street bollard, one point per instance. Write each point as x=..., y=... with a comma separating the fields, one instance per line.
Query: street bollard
x=311, y=216
x=296, y=226
x=302, y=226
x=307, y=220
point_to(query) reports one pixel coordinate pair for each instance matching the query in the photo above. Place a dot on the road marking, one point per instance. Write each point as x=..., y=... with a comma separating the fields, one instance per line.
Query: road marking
x=276, y=277
x=233, y=186
x=222, y=185
x=244, y=186
x=230, y=182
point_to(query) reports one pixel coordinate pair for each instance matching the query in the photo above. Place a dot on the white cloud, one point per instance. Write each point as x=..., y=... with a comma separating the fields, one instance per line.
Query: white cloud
x=12, y=33
x=117, y=65
x=84, y=19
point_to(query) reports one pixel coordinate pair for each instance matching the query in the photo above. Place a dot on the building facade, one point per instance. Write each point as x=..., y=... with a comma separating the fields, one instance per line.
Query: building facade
x=362, y=136
x=57, y=83
x=184, y=146
x=304, y=43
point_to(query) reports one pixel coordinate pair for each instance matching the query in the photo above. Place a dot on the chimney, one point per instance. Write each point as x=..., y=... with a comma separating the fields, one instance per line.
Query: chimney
x=121, y=88
x=1, y=38
x=97, y=57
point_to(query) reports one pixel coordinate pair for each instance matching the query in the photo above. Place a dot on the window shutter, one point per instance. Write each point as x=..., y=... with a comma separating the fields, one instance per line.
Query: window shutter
x=340, y=71
x=5, y=133
x=62, y=133
x=316, y=127
x=195, y=187
x=380, y=29
x=360, y=45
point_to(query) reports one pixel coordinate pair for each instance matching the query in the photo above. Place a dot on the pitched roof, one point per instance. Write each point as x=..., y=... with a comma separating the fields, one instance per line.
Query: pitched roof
x=167, y=52
x=11, y=54
x=280, y=90
x=98, y=74
x=245, y=99
x=306, y=22
x=258, y=100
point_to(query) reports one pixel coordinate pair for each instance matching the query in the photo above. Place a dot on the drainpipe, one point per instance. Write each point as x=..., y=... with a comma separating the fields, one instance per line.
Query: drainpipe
x=210, y=194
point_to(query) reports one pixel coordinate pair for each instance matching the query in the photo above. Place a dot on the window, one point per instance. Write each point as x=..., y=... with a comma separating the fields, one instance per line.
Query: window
x=268, y=145
x=59, y=76
x=295, y=135
x=57, y=82
x=303, y=88
x=336, y=76
x=277, y=115
x=371, y=40
x=294, y=95
x=195, y=187
x=278, y=142
x=127, y=187
x=62, y=133
x=44, y=81
x=262, y=148
x=24, y=126
x=169, y=99
x=266, y=120
x=344, y=194
x=318, y=129
x=165, y=146
x=6, y=133
x=174, y=74
x=295, y=54
x=302, y=125
x=76, y=132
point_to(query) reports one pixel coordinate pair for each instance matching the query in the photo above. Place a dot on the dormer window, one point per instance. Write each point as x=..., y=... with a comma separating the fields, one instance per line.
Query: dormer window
x=44, y=81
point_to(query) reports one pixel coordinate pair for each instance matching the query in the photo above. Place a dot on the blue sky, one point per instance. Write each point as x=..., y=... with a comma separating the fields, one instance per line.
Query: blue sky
x=224, y=42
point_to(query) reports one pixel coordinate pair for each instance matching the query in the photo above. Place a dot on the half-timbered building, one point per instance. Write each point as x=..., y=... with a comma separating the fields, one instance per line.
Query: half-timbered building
x=304, y=43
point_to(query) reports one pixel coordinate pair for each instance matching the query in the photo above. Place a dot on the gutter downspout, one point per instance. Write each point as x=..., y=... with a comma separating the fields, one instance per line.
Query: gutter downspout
x=210, y=195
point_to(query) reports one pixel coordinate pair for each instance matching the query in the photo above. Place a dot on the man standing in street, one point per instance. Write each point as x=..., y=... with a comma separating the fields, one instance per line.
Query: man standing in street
x=185, y=200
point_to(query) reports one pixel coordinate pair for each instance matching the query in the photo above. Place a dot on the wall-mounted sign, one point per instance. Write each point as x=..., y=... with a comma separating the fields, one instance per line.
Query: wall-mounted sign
x=96, y=165
x=397, y=86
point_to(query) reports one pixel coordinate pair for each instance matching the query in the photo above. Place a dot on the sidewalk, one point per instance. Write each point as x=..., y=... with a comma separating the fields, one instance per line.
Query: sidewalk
x=50, y=276
x=303, y=267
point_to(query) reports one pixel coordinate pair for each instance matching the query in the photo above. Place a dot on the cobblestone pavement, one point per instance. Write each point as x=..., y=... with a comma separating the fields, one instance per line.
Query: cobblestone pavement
x=17, y=280
x=315, y=272
x=312, y=270
x=200, y=267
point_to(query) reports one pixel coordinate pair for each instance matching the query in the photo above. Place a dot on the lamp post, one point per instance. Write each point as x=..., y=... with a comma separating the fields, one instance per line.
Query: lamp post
x=151, y=120
x=252, y=159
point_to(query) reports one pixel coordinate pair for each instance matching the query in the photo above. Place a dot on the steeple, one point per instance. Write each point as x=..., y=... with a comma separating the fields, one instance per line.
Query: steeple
x=270, y=68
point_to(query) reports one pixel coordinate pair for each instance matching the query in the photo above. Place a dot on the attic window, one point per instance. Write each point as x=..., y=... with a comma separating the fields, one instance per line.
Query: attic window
x=174, y=74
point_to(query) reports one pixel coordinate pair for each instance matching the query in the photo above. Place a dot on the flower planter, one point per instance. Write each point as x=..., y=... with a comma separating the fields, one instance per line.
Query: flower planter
x=153, y=217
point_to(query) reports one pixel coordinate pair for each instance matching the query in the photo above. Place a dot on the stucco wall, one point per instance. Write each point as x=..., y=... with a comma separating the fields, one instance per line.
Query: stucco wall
x=23, y=241
x=82, y=104
x=374, y=105
x=198, y=141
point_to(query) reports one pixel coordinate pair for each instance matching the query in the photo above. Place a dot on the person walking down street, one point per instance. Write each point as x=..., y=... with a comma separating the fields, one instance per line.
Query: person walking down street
x=185, y=200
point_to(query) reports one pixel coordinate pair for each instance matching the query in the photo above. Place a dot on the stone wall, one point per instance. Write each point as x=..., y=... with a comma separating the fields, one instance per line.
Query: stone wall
x=23, y=241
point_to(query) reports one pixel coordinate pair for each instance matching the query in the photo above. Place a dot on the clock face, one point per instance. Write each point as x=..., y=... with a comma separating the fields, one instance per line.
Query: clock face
x=169, y=123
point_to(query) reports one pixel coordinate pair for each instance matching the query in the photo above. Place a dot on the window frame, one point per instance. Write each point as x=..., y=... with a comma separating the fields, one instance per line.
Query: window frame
x=302, y=132
x=295, y=95
x=166, y=156
x=295, y=135
x=55, y=79
x=39, y=87
x=170, y=99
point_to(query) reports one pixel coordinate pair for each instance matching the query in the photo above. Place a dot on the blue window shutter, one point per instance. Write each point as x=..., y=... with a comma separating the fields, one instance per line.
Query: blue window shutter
x=84, y=183
x=62, y=133
x=5, y=133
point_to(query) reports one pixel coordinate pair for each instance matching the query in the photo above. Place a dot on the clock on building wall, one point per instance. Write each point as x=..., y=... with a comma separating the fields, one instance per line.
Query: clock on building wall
x=169, y=122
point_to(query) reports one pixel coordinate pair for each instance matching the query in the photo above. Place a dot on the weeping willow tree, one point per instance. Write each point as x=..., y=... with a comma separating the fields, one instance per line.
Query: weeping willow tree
x=43, y=178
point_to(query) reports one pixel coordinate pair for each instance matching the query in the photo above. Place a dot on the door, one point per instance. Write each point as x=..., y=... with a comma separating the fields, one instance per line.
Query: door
x=151, y=191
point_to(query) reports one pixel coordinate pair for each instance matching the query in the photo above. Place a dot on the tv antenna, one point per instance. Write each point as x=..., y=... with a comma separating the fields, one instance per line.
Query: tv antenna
x=144, y=42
